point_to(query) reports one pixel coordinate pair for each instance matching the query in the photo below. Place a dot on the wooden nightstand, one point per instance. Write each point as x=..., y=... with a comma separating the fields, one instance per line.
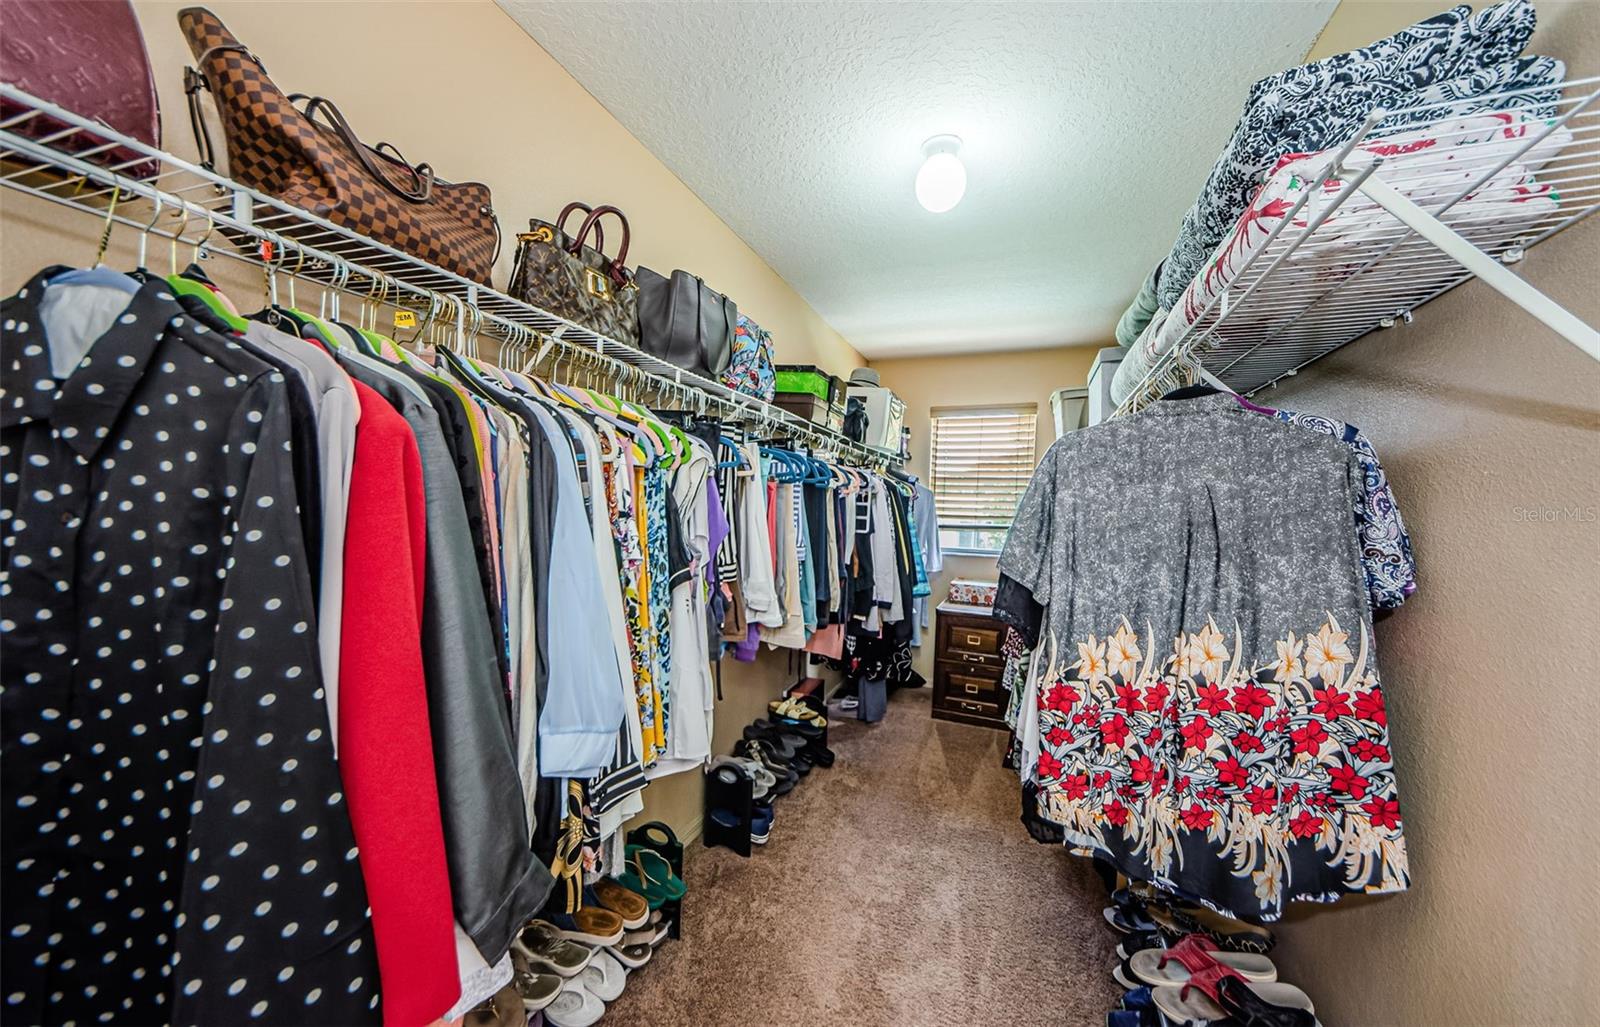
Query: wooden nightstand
x=966, y=675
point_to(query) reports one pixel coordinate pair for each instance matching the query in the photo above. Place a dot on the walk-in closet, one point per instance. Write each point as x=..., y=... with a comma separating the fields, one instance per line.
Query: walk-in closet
x=537, y=513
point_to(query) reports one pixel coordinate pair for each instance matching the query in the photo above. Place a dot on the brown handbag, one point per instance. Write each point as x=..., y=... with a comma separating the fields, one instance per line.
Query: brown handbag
x=313, y=159
x=559, y=273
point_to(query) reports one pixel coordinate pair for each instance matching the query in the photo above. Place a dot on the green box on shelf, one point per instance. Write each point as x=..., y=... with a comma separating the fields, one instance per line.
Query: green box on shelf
x=808, y=378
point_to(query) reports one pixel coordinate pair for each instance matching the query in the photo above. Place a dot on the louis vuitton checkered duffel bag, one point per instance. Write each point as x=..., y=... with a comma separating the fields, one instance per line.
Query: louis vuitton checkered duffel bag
x=310, y=157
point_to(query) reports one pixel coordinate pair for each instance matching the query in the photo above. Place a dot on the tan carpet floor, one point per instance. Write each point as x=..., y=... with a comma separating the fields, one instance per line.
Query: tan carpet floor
x=899, y=888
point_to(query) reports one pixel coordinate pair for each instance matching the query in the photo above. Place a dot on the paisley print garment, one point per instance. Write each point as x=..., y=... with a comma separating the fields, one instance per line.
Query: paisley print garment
x=1386, y=557
x=1210, y=707
x=1459, y=57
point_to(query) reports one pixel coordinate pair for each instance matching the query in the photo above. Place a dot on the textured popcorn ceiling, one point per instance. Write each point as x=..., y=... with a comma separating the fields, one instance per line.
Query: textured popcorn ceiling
x=1088, y=129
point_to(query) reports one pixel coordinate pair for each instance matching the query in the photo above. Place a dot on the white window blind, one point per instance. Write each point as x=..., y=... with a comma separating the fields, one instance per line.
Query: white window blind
x=982, y=460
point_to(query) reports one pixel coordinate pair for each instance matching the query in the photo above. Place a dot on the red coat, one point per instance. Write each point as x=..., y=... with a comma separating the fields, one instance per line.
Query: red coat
x=385, y=747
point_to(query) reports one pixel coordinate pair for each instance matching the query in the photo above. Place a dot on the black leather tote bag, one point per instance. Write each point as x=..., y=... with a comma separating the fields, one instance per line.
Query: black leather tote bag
x=686, y=322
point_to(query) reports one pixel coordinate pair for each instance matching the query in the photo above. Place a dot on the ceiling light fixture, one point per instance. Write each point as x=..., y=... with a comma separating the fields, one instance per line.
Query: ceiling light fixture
x=942, y=179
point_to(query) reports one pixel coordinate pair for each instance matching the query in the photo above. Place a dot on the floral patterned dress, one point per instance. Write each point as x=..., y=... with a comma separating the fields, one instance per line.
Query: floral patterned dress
x=630, y=570
x=659, y=598
x=1210, y=707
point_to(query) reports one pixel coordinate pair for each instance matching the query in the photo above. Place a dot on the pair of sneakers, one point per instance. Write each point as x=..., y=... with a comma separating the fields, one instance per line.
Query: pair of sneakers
x=761, y=817
x=729, y=769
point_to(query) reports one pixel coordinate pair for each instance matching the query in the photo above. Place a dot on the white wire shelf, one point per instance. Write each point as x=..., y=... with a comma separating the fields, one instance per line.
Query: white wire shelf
x=1321, y=281
x=185, y=202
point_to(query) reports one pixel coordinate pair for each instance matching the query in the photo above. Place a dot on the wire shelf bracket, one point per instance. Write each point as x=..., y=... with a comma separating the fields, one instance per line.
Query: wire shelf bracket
x=1490, y=271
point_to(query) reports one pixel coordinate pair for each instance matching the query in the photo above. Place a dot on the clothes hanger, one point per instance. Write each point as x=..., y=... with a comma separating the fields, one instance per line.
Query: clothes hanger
x=358, y=331
x=739, y=460
x=617, y=412
x=659, y=438
x=676, y=438
x=192, y=280
x=97, y=273
x=276, y=313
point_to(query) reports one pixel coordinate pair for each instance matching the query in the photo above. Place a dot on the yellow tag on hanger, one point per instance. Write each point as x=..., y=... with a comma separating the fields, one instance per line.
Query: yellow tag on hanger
x=405, y=319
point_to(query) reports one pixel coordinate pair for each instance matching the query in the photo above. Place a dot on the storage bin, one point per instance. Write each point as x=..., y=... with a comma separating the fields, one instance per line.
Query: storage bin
x=813, y=408
x=970, y=592
x=805, y=378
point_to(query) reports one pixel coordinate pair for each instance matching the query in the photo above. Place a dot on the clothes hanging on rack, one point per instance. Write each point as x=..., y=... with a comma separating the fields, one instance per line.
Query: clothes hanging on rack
x=286, y=537
x=1227, y=738
x=176, y=823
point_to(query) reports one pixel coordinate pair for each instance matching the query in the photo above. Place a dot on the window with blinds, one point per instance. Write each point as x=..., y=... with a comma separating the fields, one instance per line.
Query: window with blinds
x=981, y=462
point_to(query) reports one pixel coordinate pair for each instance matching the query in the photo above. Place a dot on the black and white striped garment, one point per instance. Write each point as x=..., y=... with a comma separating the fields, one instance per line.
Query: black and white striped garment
x=728, y=486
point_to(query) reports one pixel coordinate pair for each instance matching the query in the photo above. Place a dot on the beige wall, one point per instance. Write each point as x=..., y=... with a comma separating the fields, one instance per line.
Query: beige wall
x=1028, y=376
x=1488, y=423
x=460, y=85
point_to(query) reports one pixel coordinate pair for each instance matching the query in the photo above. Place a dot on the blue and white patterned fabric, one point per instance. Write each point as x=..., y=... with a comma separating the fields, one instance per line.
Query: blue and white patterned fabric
x=1466, y=60
x=1385, y=547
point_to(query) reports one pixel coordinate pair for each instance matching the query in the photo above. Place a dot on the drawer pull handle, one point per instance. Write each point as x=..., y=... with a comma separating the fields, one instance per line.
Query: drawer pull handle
x=971, y=689
x=971, y=658
x=974, y=639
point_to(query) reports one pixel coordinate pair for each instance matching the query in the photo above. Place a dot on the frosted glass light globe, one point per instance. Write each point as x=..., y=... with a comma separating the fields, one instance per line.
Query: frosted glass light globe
x=941, y=182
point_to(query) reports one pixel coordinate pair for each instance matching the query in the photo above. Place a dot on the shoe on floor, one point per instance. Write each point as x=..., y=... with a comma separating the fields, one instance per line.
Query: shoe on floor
x=630, y=905
x=541, y=944
x=652, y=935
x=590, y=925
x=796, y=710
x=1132, y=943
x=632, y=957
x=760, y=822
x=849, y=703
x=764, y=751
x=735, y=774
x=1124, y=921
x=502, y=1009
x=575, y=1006
x=785, y=777
x=651, y=875
x=761, y=779
x=1196, y=954
x=537, y=990
x=1229, y=934
x=784, y=743
x=604, y=977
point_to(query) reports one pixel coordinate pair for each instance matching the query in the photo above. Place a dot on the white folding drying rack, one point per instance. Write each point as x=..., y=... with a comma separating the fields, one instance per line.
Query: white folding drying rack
x=1303, y=295
x=189, y=204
